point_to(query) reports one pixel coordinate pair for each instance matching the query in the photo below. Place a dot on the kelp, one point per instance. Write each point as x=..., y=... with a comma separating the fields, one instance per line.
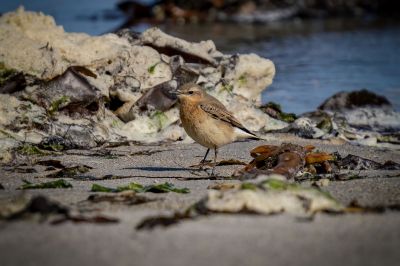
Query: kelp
x=302, y=163
x=285, y=160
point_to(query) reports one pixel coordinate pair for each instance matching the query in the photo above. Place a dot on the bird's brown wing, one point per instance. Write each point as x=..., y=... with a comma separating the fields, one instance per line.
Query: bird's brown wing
x=218, y=111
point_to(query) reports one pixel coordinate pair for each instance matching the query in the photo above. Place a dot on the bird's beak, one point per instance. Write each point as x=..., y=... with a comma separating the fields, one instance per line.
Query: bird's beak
x=177, y=92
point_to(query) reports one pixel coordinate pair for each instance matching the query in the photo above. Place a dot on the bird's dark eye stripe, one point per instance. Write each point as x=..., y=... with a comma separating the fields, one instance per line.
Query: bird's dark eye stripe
x=190, y=92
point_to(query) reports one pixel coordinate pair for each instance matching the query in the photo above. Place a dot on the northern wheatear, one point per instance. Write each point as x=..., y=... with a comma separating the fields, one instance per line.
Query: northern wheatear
x=207, y=121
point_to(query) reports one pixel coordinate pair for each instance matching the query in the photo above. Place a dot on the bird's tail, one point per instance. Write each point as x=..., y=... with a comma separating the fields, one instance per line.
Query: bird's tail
x=244, y=133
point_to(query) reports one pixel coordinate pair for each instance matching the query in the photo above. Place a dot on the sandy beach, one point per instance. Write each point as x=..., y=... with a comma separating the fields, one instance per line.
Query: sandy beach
x=229, y=239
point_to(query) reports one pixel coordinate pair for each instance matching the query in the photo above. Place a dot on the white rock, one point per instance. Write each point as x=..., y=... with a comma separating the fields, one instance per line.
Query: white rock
x=31, y=42
x=250, y=75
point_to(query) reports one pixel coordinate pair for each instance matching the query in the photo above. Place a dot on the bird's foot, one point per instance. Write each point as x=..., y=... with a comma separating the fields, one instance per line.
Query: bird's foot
x=202, y=165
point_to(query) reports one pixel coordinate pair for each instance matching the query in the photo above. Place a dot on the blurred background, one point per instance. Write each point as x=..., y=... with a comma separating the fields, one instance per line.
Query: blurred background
x=319, y=47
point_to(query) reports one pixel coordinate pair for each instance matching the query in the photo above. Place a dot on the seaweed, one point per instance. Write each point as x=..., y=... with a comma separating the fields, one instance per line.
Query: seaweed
x=152, y=68
x=100, y=188
x=5, y=73
x=126, y=197
x=52, y=184
x=242, y=79
x=57, y=104
x=29, y=149
x=286, y=159
x=190, y=213
x=136, y=187
x=98, y=219
x=227, y=87
x=249, y=186
x=165, y=187
x=275, y=110
x=45, y=208
x=224, y=186
x=70, y=172
x=159, y=118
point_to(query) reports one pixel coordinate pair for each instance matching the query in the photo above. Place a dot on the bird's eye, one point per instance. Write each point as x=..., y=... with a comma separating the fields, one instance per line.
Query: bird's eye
x=190, y=92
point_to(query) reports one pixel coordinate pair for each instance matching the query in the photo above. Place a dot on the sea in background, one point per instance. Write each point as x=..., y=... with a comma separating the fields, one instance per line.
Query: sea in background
x=313, y=59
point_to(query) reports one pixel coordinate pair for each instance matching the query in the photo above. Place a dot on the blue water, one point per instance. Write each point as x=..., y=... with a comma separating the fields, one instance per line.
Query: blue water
x=90, y=16
x=311, y=65
x=311, y=68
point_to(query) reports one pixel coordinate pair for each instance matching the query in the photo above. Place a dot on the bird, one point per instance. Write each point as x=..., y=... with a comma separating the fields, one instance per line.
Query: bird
x=207, y=121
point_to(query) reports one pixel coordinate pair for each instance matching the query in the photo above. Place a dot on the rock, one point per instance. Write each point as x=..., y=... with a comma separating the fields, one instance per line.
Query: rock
x=249, y=11
x=159, y=97
x=11, y=81
x=364, y=110
x=359, y=117
x=266, y=16
x=250, y=74
x=373, y=119
x=68, y=91
x=32, y=43
x=274, y=110
x=203, y=52
x=89, y=90
x=277, y=197
x=343, y=101
x=306, y=128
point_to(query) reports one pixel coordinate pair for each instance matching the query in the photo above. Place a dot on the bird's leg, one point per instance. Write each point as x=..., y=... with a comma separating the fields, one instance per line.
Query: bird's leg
x=202, y=162
x=205, y=156
x=215, y=160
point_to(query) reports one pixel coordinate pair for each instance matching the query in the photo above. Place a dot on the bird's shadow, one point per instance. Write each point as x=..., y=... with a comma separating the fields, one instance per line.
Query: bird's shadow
x=196, y=172
x=159, y=168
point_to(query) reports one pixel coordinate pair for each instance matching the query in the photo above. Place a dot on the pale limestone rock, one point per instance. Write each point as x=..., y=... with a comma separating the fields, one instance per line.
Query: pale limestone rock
x=250, y=75
x=204, y=50
x=32, y=43
x=16, y=120
x=290, y=200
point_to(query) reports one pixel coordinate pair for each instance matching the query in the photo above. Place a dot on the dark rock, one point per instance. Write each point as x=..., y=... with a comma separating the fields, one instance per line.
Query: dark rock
x=274, y=110
x=71, y=91
x=362, y=110
x=304, y=127
x=354, y=162
x=182, y=72
x=160, y=97
x=128, y=34
x=42, y=205
x=14, y=83
x=76, y=136
x=251, y=11
x=354, y=99
x=56, y=143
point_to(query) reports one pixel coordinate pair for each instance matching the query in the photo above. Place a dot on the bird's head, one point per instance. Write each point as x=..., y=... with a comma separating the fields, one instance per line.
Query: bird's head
x=190, y=92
